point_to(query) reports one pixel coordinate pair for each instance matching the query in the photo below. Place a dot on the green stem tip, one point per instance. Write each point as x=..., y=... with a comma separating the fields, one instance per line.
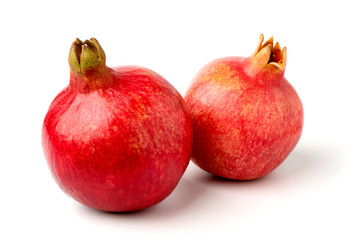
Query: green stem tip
x=87, y=56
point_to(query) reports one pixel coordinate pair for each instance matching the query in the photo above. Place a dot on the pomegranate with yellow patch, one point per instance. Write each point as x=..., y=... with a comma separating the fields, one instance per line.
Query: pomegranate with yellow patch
x=247, y=117
x=116, y=139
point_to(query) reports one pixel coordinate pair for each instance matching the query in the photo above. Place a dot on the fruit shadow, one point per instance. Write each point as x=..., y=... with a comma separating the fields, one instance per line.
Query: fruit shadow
x=184, y=195
x=306, y=166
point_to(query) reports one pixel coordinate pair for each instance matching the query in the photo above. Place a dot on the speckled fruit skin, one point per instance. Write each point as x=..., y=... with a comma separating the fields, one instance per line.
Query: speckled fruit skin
x=116, y=139
x=247, y=117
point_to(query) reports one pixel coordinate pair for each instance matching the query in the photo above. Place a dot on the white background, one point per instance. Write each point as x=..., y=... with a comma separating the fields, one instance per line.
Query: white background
x=312, y=195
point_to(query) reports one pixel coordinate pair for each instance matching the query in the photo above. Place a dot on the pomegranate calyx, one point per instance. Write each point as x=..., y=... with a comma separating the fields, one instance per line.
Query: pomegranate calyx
x=268, y=55
x=86, y=57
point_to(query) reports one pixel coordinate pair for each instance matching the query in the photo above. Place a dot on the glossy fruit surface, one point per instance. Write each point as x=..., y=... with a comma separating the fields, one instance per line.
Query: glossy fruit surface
x=116, y=139
x=247, y=117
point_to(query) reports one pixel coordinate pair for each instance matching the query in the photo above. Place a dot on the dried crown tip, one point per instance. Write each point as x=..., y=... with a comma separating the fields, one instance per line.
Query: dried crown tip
x=267, y=54
x=78, y=41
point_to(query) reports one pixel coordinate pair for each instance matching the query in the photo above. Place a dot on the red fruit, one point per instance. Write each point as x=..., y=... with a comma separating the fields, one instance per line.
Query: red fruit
x=247, y=117
x=116, y=139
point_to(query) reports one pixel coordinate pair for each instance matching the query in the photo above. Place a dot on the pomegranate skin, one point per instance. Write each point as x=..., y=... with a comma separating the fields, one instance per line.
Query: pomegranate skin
x=121, y=144
x=247, y=118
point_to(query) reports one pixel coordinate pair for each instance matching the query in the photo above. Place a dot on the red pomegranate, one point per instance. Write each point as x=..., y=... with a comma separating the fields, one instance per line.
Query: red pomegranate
x=247, y=117
x=116, y=139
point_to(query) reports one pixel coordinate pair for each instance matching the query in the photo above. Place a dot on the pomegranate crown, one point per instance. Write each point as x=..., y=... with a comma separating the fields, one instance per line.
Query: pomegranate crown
x=268, y=55
x=85, y=57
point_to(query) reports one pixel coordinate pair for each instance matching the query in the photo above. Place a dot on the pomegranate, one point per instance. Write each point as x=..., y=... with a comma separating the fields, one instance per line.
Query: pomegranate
x=247, y=118
x=116, y=139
